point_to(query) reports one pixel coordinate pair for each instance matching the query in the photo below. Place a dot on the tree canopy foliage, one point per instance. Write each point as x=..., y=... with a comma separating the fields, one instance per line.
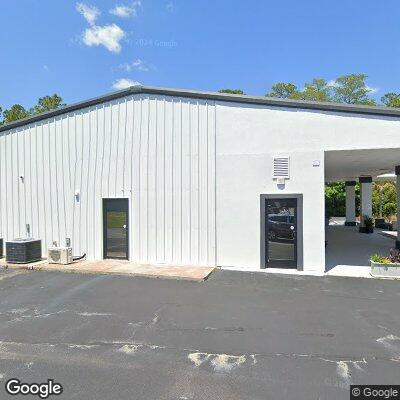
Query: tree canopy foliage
x=17, y=111
x=350, y=89
x=391, y=99
x=385, y=192
x=231, y=91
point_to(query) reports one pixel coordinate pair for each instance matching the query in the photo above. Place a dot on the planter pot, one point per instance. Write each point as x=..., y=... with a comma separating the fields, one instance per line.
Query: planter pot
x=364, y=229
x=385, y=270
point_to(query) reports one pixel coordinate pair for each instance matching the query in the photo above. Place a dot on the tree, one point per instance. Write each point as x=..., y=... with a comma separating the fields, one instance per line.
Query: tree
x=391, y=99
x=317, y=90
x=283, y=90
x=335, y=199
x=47, y=103
x=386, y=191
x=232, y=91
x=352, y=89
x=14, y=113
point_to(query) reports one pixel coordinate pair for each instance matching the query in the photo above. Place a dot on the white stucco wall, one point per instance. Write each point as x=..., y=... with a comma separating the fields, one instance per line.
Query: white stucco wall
x=248, y=137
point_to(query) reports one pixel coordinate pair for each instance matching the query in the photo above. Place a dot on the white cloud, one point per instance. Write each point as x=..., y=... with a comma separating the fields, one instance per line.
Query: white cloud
x=108, y=36
x=90, y=13
x=372, y=90
x=124, y=11
x=124, y=83
x=170, y=6
x=138, y=65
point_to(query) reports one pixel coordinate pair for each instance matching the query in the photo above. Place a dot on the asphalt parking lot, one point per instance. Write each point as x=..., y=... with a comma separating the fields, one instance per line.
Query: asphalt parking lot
x=235, y=336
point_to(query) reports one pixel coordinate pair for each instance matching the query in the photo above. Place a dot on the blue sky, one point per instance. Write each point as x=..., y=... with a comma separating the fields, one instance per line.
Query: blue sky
x=82, y=49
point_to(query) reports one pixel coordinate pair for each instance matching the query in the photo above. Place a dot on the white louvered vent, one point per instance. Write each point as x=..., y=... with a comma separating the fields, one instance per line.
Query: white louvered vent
x=281, y=167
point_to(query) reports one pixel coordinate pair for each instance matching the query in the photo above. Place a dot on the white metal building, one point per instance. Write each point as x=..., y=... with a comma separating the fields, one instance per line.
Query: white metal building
x=184, y=177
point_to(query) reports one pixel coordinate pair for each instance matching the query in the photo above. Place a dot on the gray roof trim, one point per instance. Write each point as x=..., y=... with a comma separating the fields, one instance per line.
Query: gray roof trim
x=235, y=98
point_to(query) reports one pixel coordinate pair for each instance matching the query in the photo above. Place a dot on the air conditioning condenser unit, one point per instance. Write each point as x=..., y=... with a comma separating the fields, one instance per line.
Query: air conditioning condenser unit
x=60, y=255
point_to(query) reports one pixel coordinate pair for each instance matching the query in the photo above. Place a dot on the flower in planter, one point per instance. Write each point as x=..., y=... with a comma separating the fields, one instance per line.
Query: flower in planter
x=393, y=258
x=394, y=255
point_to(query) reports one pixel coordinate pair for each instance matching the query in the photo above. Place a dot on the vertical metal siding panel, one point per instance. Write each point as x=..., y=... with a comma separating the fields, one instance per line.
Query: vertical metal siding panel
x=41, y=194
x=212, y=250
x=169, y=164
x=135, y=166
x=8, y=182
x=54, y=184
x=15, y=181
x=120, y=150
x=85, y=139
x=89, y=168
x=177, y=179
x=9, y=186
x=113, y=181
x=98, y=206
x=21, y=182
x=15, y=184
x=67, y=172
x=107, y=150
x=186, y=162
x=203, y=184
x=194, y=183
x=128, y=170
x=160, y=183
x=143, y=189
x=78, y=184
x=151, y=183
x=34, y=167
x=48, y=211
x=28, y=180
x=62, y=177
x=73, y=134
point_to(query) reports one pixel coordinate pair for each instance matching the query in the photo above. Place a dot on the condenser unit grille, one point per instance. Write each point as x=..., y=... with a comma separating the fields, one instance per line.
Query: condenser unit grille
x=281, y=167
x=55, y=255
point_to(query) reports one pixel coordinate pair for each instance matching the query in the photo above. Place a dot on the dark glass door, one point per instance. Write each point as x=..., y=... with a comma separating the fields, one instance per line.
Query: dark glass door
x=116, y=228
x=281, y=232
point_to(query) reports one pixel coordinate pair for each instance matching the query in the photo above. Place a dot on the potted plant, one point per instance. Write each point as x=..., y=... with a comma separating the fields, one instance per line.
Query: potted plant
x=386, y=266
x=368, y=224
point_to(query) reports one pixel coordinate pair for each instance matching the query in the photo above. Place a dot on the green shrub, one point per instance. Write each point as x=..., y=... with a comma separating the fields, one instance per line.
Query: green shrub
x=380, y=259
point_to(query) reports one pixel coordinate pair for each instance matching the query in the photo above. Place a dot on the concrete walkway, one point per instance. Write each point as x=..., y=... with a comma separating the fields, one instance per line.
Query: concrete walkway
x=348, y=251
x=121, y=267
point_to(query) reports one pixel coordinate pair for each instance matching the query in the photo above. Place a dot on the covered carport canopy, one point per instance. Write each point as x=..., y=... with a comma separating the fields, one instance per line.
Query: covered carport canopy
x=349, y=165
x=346, y=247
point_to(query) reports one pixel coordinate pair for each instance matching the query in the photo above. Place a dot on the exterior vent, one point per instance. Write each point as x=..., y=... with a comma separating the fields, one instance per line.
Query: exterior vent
x=281, y=167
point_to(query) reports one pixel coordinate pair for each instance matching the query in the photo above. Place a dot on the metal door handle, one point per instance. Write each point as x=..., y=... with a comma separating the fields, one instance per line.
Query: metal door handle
x=292, y=228
x=124, y=226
